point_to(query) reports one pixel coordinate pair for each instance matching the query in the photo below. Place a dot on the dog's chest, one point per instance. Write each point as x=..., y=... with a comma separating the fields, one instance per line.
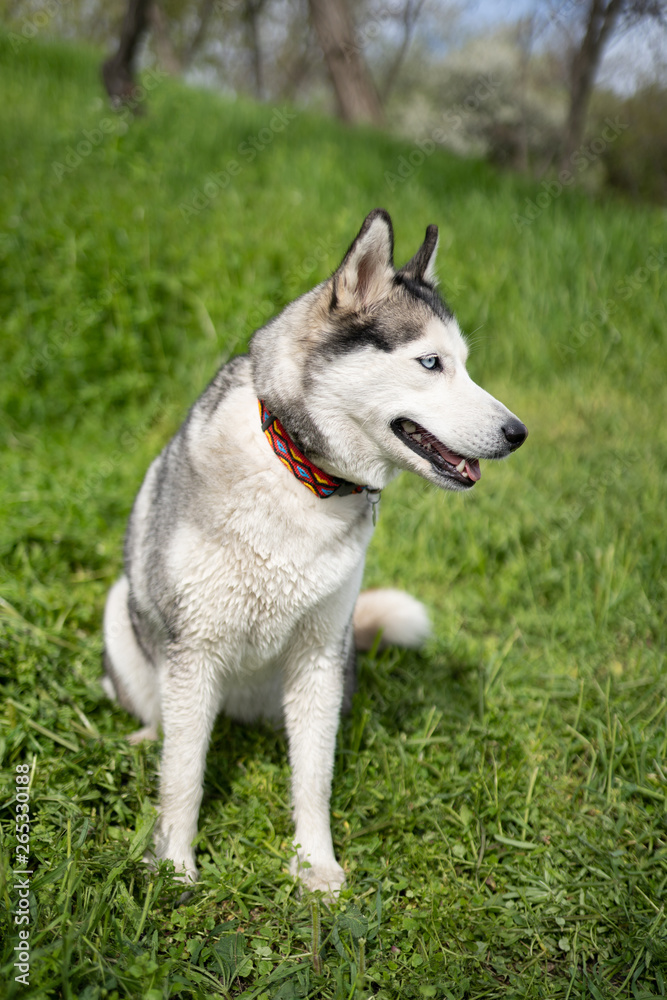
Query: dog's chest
x=253, y=588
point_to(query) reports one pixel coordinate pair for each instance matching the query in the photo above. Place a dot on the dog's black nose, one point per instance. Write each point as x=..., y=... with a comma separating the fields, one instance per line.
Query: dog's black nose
x=515, y=433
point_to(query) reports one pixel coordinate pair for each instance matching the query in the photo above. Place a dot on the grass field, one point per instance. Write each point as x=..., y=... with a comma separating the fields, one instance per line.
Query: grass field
x=500, y=802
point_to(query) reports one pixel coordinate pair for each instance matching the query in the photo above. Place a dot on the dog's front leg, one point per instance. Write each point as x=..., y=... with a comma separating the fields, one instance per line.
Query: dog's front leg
x=313, y=692
x=188, y=708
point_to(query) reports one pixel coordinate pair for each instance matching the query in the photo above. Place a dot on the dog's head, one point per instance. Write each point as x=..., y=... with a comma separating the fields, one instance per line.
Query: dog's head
x=368, y=372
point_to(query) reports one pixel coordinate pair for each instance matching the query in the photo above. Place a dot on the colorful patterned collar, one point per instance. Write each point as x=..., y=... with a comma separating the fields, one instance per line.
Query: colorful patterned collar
x=318, y=482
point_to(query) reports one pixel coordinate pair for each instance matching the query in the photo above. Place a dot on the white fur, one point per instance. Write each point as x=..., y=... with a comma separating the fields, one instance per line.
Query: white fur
x=453, y=407
x=367, y=268
x=400, y=619
x=430, y=272
x=138, y=676
x=260, y=577
x=268, y=589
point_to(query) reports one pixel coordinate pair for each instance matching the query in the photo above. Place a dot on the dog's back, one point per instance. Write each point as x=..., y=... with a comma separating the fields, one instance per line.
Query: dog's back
x=245, y=548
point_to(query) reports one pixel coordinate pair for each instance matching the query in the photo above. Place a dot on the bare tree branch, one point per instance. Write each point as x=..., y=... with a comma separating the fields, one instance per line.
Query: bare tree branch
x=601, y=19
x=410, y=15
x=190, y=50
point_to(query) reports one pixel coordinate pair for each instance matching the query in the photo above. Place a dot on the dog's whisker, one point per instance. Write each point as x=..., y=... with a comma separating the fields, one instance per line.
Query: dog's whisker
x=241, y=552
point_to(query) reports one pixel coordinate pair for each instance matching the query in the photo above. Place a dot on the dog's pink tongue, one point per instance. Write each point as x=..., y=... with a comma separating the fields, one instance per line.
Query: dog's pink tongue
x=473, y=470
x=472, y=464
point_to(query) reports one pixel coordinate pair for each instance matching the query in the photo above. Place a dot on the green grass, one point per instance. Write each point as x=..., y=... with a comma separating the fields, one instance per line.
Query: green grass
x=499, y=801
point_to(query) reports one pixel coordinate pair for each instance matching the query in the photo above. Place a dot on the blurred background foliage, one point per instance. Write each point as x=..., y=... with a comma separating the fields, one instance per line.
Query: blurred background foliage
x=530, y=85
x=500, y=799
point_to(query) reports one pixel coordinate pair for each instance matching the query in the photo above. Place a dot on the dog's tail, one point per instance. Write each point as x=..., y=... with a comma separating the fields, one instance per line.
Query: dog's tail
x=401, y=619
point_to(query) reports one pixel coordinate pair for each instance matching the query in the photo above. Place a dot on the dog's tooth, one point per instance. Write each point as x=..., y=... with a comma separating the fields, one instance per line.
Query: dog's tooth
x=416, y=437
x=465, y=475
x=461, y=466
x=409, y=427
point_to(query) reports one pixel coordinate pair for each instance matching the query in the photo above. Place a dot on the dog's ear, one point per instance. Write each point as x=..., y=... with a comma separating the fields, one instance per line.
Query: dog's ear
x=422, y=266
x=367, y=270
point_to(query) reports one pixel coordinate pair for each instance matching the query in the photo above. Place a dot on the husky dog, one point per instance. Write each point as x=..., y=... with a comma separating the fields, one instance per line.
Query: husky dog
x=245, y=547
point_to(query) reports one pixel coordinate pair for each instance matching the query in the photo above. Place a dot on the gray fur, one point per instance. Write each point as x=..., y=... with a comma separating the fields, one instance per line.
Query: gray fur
x=227, y=378
x=349, y=658
x=240, y=584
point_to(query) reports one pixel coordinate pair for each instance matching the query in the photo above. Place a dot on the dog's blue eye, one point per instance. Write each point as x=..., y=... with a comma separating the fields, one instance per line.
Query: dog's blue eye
x=430, y=362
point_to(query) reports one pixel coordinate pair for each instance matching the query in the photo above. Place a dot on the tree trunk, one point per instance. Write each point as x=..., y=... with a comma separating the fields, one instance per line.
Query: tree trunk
x=252, y=11
x=118, y=70
x=167, y=56
x=356, y=96
x=600, y=20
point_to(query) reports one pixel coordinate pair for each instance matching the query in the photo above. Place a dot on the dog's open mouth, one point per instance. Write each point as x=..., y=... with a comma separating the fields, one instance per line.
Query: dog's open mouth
x=465, y=471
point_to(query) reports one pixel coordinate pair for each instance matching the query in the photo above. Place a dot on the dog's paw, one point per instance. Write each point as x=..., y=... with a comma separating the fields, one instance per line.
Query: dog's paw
x=187, y=875
x=326, y=878
x=185, y=869
x=146, y=733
